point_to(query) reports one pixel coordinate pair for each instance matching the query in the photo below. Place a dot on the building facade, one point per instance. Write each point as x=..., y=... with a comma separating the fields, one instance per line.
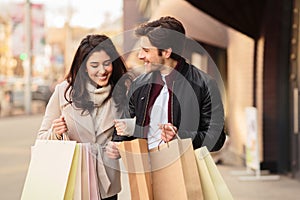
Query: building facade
x=255, y=47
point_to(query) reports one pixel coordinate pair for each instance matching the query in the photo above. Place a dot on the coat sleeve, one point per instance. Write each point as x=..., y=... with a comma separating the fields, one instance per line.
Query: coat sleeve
x=128, y=113
x=52, y=112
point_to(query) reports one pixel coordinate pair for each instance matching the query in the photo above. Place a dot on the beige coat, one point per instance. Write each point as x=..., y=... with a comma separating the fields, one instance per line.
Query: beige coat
x=81, y=129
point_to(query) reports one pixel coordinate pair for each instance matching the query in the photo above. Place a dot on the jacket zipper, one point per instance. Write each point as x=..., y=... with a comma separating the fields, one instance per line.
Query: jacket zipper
x=172, y=103
x=143, y=124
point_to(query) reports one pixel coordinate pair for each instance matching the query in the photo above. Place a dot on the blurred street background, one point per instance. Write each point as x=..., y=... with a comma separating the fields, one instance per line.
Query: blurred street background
x=250, y=47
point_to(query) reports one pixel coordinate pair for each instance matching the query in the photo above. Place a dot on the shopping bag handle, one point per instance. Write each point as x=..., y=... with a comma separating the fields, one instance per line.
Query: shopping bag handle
x=176, y=135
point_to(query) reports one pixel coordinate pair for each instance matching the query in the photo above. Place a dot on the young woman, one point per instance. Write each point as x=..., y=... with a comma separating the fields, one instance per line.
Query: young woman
x=82, y=108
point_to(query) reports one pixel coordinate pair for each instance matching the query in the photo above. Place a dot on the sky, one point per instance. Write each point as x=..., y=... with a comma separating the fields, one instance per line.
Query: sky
x=85, y=13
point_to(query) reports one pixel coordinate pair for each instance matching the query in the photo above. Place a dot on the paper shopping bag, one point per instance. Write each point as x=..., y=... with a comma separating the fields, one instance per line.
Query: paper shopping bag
x=77, y=189
x=213, y=184
x=85, y=187
x=69, y=193
x=174, y=171
x=48, y=170
x=134, y=155
x=92, y=175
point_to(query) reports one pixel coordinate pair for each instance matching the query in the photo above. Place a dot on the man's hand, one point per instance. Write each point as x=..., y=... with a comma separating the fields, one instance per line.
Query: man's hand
x=168, y=131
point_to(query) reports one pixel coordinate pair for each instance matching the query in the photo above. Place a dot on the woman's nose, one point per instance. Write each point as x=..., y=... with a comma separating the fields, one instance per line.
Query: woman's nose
x=101, y=69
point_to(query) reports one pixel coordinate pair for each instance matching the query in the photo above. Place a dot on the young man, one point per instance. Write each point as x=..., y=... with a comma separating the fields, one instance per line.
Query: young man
x=173, y=97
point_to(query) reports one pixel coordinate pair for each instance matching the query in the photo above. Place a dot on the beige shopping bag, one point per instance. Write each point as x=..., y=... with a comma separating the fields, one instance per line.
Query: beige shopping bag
x=61, y=170
x=48, y=170
x=174, y=171
x=213, y=184
x=134, y=155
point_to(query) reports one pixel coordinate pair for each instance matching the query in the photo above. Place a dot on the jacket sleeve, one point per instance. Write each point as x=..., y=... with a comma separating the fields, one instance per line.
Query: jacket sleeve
x=52, y=112
x=210, y=132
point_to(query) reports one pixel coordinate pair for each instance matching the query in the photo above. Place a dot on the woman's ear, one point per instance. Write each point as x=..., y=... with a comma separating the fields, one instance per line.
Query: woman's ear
x=167, y=52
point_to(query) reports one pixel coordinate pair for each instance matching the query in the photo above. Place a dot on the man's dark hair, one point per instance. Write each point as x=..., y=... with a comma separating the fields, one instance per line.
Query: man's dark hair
x=166, y=32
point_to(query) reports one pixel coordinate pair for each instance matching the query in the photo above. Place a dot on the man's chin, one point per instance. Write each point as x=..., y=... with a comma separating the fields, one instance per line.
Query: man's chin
x=151, y=69
x=148, y=69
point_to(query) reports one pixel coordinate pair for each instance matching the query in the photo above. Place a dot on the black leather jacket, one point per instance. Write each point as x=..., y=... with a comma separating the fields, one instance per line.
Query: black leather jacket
x=196, y=106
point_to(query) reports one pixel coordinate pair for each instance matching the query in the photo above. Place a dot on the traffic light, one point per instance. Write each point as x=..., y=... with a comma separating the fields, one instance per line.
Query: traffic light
x=23, y=56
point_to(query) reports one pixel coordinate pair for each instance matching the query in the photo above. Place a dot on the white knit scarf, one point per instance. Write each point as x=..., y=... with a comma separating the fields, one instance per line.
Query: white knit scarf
x=101, y=110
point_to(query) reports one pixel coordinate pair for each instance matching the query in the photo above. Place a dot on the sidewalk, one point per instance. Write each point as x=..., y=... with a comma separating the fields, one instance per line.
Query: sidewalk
x=285, y=188
x=17, y=134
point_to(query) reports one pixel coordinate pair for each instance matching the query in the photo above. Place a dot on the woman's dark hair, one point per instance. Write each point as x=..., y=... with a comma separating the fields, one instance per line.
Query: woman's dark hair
x=166, y=32
x=77, y=76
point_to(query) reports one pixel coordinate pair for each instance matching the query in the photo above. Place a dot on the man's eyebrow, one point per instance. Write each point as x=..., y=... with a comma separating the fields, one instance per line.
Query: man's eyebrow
x=145, y=48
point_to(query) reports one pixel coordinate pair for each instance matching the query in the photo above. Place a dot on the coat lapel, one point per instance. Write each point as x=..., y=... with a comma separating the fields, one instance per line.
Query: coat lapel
x=106, y=118
x=84, y=121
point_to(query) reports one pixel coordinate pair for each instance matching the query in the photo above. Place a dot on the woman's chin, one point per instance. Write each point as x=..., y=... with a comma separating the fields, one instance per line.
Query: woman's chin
x=103, y=83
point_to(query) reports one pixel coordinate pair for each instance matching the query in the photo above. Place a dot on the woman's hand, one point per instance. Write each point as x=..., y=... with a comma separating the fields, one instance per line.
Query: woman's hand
x=120, y=127
x=59, y=127
x=111, y=150
x=125, y=127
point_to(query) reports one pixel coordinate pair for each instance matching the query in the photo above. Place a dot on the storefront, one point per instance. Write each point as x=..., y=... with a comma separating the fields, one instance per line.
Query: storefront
x=259, y=67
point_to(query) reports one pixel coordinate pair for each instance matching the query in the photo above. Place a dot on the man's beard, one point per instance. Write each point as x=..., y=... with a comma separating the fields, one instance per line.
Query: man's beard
x=157, y=66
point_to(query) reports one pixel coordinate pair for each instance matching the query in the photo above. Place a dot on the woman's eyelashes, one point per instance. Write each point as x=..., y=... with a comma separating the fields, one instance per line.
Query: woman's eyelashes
x=106, y=63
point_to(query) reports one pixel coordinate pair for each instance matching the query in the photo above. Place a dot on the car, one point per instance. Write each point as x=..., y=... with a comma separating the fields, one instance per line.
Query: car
x=42, y=93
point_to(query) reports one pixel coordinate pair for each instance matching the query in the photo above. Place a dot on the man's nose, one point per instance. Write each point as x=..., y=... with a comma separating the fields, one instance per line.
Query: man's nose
x=141, y=54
